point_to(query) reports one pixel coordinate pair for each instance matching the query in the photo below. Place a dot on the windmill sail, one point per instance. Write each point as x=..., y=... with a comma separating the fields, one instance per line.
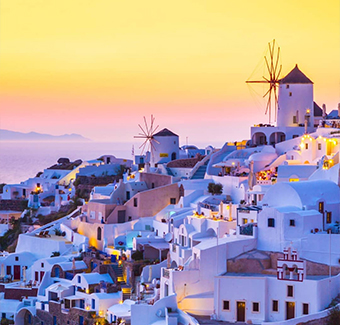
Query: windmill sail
x=274, y=71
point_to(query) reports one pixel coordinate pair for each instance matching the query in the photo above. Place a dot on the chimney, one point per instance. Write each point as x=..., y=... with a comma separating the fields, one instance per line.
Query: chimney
x=324, y=110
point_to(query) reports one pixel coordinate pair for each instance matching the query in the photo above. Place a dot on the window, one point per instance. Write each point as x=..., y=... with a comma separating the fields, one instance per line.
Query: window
x=100, y=216
x=54, y=320
x=290, y=94
x=135, y=202
x=92, y=214
x=256, y=307
x=305, y=309
x=294, y=119
x=42, y=265
x=275, y=306
x=93, y=304
x=271, y=222
x=295, y=136
x=17, y=258
x=329, y=217
x=306, y=146
x=152, y=185
x=292, y=222
x=287, y=86
x=290, y=291
x=245, y=221
x=321, y=207
x=173, y=200
x=3, y=315
x=79, y=279
x=319, y=146
x=226, y=305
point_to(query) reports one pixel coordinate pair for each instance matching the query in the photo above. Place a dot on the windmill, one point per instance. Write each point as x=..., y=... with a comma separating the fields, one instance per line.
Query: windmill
x=274, y=70
x=147, y=134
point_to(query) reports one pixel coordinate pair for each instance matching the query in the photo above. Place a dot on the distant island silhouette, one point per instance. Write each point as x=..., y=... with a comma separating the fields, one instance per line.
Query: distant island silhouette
x=7, y=135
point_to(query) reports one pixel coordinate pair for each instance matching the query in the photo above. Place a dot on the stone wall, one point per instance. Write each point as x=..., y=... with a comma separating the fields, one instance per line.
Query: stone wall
x=14, y=205
x=63, y=317
x=17, y=293
x=266, y=262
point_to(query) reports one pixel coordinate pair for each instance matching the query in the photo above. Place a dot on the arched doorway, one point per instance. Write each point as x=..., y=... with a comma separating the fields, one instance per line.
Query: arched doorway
x=99, y=233
x=173, y=156
x=277, y=137
x=259, y=138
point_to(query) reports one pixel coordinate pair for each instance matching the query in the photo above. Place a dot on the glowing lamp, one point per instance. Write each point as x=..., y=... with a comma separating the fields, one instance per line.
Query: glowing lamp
x=308, y=111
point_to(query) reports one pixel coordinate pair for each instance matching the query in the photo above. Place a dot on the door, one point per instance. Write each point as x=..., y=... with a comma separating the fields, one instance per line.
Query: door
x=16, y=272
x=121, y=216
x=290, y=309
x=241, y=311
x=41, y=275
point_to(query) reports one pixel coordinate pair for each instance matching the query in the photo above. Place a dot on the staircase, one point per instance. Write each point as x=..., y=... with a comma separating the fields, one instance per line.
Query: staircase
x=126, y=288
x=200, y=172
x=169, y=171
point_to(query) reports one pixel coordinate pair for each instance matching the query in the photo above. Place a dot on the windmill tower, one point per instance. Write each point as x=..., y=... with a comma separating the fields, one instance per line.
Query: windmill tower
x=274, y=70
x=147, y=133
x=295, y=102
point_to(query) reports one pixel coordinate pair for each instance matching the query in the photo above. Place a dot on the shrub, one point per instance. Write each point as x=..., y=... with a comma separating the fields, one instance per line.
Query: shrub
x=215, y=188
x=334, y=316
x=137, y=255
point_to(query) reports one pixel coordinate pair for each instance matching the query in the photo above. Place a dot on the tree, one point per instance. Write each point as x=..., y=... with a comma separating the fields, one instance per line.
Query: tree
x=137, y=255
x=215, y=188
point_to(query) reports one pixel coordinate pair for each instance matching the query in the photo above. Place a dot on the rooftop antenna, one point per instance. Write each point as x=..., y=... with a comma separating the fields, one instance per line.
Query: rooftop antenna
x=147, y=134
x=274, y=70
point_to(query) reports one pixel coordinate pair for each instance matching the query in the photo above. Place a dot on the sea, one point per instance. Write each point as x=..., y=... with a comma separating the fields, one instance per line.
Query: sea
x=22, y=160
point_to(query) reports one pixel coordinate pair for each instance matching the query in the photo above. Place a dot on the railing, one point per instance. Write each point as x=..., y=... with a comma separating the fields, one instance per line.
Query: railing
x=199, y=164
x=247, y=229
x=166, y=273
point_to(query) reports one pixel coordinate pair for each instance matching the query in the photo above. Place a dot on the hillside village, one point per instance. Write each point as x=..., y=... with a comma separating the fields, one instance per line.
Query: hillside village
x=247, y=233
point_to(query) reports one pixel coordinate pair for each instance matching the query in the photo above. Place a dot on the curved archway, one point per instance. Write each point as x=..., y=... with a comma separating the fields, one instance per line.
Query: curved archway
x=259, y=138
x=99, y=233
x=173, y=264
x=24, y=316
x=277, y=137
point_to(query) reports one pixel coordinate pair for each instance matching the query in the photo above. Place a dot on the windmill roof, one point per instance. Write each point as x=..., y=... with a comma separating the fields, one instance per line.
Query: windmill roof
x=317, y=110
x=165, y=133
x=296, y=76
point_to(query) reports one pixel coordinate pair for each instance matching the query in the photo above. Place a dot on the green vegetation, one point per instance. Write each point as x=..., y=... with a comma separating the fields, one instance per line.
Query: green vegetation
x=137, y=256
x=2, y=187
x=334, y=316
x=5, y=321
x=215, y=188
x=11, y=235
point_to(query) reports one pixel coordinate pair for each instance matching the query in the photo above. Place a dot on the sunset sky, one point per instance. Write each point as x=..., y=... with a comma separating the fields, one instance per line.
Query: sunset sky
x=96, y=67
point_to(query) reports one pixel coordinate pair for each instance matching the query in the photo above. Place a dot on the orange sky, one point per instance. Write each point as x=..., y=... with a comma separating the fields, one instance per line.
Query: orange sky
x=96, y=67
